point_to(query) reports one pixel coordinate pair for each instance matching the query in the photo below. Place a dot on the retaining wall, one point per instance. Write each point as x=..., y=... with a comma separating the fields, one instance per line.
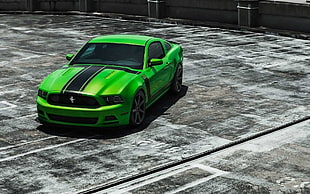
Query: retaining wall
x=54, y=5
x=132, y=7
x=251, y=13
x=285, y=16
x=12, y=5
x=224, y=11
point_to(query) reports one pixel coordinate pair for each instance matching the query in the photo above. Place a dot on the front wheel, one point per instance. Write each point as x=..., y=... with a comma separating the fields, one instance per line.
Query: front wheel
x=138, y=109
x=177, y=80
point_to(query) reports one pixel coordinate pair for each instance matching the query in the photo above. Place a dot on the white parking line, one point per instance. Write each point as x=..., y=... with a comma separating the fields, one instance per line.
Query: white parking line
x=208, y=168
x=138, y=183
x=40, y=150
x=7, y=104
x=215, y=173
x=25, y=143
x=16, y=91
x=8, y=85
x=146, y=180
x=192, y=184
x=35, y=114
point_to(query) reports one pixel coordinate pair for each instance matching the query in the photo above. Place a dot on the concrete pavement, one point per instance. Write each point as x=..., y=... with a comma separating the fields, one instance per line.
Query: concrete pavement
x=275, y=163
x=236, y=84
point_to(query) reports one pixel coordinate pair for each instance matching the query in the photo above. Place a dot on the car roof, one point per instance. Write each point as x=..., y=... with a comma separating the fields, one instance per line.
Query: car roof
x=122, y=39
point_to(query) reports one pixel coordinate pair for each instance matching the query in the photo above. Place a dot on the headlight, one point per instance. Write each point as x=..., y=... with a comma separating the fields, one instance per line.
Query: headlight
x=116, y=99
x=42, y=94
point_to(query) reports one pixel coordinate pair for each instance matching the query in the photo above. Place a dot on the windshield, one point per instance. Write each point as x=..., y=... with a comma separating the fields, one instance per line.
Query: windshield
x=111, y=54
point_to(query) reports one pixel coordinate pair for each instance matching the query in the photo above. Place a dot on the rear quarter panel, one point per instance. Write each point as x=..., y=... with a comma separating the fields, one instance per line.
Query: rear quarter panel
x=175, y=54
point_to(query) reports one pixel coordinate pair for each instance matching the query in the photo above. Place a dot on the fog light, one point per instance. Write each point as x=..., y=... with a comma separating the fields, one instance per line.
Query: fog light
x=110, y=118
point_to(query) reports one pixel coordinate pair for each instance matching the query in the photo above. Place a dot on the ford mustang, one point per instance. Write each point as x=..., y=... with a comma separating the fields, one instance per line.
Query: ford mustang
x=111, y=81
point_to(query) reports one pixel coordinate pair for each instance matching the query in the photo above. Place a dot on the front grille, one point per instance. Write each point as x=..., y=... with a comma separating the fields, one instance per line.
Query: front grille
x=80, y=120
x=72, y=100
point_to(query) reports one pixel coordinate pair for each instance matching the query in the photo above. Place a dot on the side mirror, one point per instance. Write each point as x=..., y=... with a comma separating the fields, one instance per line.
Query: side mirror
x=154, y=62
x=69, y=56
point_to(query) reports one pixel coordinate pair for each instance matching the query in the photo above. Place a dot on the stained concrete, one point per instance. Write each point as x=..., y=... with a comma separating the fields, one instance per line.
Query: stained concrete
x=236, y=84
x=275, y=163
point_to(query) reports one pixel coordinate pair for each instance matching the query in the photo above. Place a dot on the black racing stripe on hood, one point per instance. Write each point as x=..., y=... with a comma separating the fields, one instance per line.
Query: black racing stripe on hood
x=91, y=78
x=69, y=82
x=82, y=79
x=109, y=67
x=123, y=69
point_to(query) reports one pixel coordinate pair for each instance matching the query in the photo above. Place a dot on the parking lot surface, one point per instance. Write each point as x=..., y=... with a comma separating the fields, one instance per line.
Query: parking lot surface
x=236, y=84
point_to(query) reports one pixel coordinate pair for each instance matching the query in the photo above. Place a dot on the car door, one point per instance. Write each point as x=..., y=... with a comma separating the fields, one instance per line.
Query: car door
x=159, y=74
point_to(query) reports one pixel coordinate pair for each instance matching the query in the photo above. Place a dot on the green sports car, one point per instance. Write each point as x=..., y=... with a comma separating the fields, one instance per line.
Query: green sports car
x=111, y=81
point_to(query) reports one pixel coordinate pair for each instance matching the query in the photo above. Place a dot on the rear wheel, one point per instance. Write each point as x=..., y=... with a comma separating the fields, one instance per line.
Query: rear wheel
x=177, y=80
x=138, y=109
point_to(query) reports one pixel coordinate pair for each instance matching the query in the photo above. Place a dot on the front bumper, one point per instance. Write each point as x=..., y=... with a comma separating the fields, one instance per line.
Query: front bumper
x=104, y=116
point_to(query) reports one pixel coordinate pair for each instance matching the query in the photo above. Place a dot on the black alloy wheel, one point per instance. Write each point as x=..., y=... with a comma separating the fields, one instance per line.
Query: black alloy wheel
x=177, y=80
x=138, y=109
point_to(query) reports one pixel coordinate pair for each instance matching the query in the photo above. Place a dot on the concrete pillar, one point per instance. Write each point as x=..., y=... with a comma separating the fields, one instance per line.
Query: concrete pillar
x=248, y=13
x=31, y=5
x=156, y=8
x=86, y=5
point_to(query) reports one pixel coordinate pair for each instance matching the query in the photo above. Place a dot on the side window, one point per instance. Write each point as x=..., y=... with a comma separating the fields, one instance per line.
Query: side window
x=168, y=46
x=156, y=51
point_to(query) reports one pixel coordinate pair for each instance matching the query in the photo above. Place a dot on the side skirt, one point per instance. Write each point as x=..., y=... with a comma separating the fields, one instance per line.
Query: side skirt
x=157, y=95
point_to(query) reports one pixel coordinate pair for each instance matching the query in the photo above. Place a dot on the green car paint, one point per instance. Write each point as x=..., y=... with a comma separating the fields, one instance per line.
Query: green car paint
x=111, y=81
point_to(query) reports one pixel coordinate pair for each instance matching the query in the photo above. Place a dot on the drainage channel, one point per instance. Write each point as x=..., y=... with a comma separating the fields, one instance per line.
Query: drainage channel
x=192, y=158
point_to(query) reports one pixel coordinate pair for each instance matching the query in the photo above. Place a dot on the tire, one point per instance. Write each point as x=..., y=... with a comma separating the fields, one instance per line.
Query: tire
x=138, y=110
x=176, y=85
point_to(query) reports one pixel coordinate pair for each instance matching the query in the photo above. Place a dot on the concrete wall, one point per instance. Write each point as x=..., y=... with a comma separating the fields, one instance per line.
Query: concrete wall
x=203, y=10
x=251, y=13
x=56, y=5
x=15, y=5
x=131, y=7
x=285, y=16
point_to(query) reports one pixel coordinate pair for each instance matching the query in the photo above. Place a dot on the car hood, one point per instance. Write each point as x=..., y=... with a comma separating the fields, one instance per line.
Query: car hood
x=90, y=79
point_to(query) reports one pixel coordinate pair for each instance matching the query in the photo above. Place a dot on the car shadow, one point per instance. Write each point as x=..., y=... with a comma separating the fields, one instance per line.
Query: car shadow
x=153, y=112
